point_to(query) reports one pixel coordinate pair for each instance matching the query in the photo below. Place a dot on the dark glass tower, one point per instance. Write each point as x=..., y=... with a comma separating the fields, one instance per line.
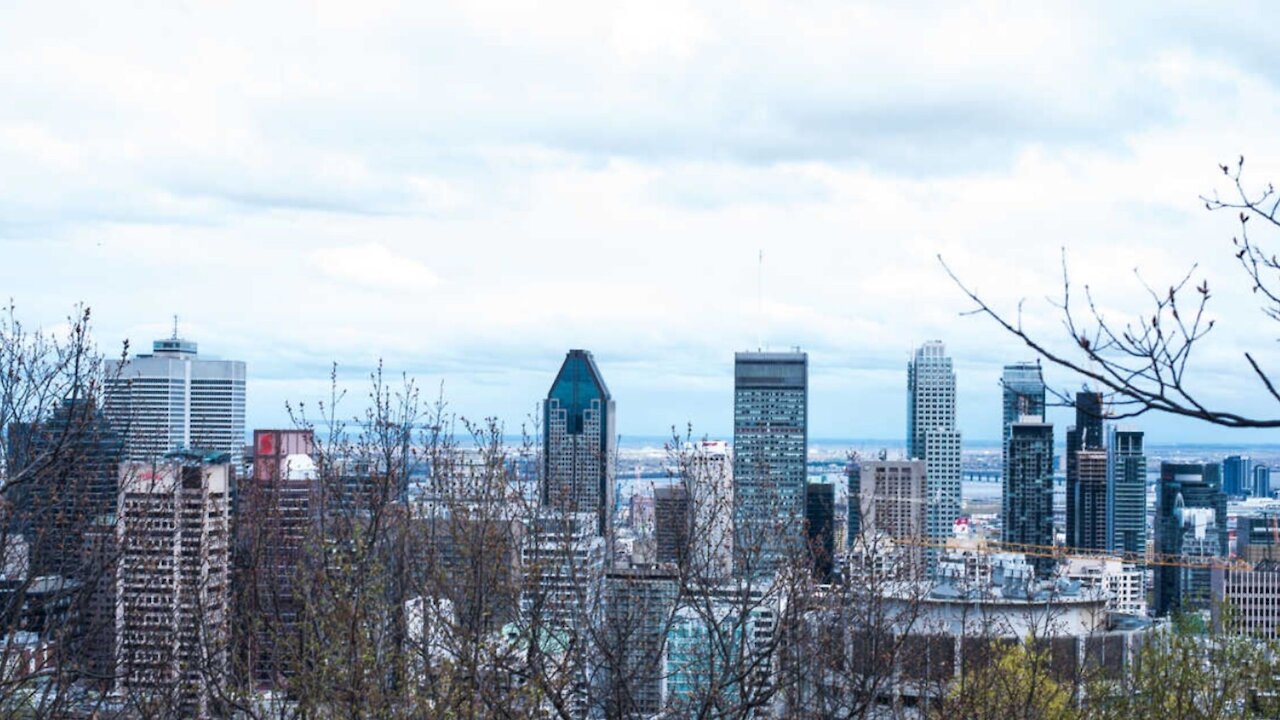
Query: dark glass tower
x=1028, y=487
x=671, y=523
x=1183, y=489
x=1237, y=476
x=819, y=515
x=1086, y=518
x=579, y=442
x=1126, y=491
x=770, y=448
x=1023, y=391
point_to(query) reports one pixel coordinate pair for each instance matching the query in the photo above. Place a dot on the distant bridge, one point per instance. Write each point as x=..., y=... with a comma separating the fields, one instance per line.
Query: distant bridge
x=991, y=476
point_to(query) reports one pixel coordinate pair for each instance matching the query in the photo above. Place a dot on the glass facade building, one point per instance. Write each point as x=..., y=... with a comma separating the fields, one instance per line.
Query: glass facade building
x=1126, y=491
x=1184, y=490
x=1086, y=501
x=579, y=439
x=1027, y=506
x=770, y=449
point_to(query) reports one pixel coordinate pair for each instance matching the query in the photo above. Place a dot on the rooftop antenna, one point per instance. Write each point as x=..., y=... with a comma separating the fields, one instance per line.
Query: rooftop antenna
x=760, y=300
x=175, y=327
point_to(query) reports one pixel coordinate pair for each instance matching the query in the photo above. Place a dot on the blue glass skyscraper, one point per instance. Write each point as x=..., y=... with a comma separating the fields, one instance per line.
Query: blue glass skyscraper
x=579, y=442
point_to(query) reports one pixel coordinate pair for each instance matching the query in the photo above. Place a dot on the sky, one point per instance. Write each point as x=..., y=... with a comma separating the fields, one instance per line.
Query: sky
x=466, y=190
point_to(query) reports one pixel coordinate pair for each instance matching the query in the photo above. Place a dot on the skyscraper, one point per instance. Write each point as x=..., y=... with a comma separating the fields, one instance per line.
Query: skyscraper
x=173, y=400
x=1023, y=393
x=671, y=523
x=638, y=606
x=1126, y=491
x=820, y=518
x=1237, y=475
x=932, y=435
x=1028, y=488
x=1191, y=519
x=1261, y=481
x=891, y=498
x=579, y=439
x=708, y=475
x=172, y=624
x=1083, y=520
x=278, y=506
x=770, y=447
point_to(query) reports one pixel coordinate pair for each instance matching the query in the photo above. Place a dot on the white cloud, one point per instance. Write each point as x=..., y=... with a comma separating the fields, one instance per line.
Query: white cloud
x=372, y=265
x=468, y=189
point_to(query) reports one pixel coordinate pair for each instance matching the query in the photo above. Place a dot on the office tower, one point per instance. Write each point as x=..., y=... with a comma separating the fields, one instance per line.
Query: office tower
x=1261, y=481
x=889, y=501
x=579, y=440
x=1091, y=500
x=932, y=435
x=172, y=624
x=708, y=475
x=1191, y=521
x=853, y=476
x=1086, y=434
x=1023, y=393
x=770, y=447
x=1237, y=476
x=1258, y=537
x=671, y=523
x=1246, y=601
x=563, y=560
x=279, y=504
x=892, y=498
x=173, y=400
x=820, y=520
x=1126, y=491
x=67, y=469
x=638, y=606
x=1028, y=488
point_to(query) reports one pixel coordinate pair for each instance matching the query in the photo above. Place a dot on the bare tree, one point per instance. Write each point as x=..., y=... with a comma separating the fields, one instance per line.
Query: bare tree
x=1144, y=363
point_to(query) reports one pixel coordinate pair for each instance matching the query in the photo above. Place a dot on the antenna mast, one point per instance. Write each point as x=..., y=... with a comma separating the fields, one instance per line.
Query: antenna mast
x=175, y=327
x=760, y=300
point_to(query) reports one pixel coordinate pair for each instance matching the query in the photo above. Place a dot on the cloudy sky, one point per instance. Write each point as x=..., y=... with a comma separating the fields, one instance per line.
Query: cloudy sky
x=466, y=190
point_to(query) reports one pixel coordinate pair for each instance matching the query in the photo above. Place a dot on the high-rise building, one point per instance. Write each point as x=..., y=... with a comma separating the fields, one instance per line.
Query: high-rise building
x=708, y=475
x=671, y=523
x=1191, y=520
x=564, y=560
x=579, y=441
x=1086, y=434
x=1126, y=491
x=1261, y=481
x=173, y=575
x=279, y=505
x=1258, y=537
x=820, y=520
x=1091, y=500
x=1237, y=476
x=1027, y=507
x=932, y=435
x=770, y=448
x=1246, y=601
x=68, y=467
x=174, y=400
x=1023, y=393
x=891, y=498
x=638, y=606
